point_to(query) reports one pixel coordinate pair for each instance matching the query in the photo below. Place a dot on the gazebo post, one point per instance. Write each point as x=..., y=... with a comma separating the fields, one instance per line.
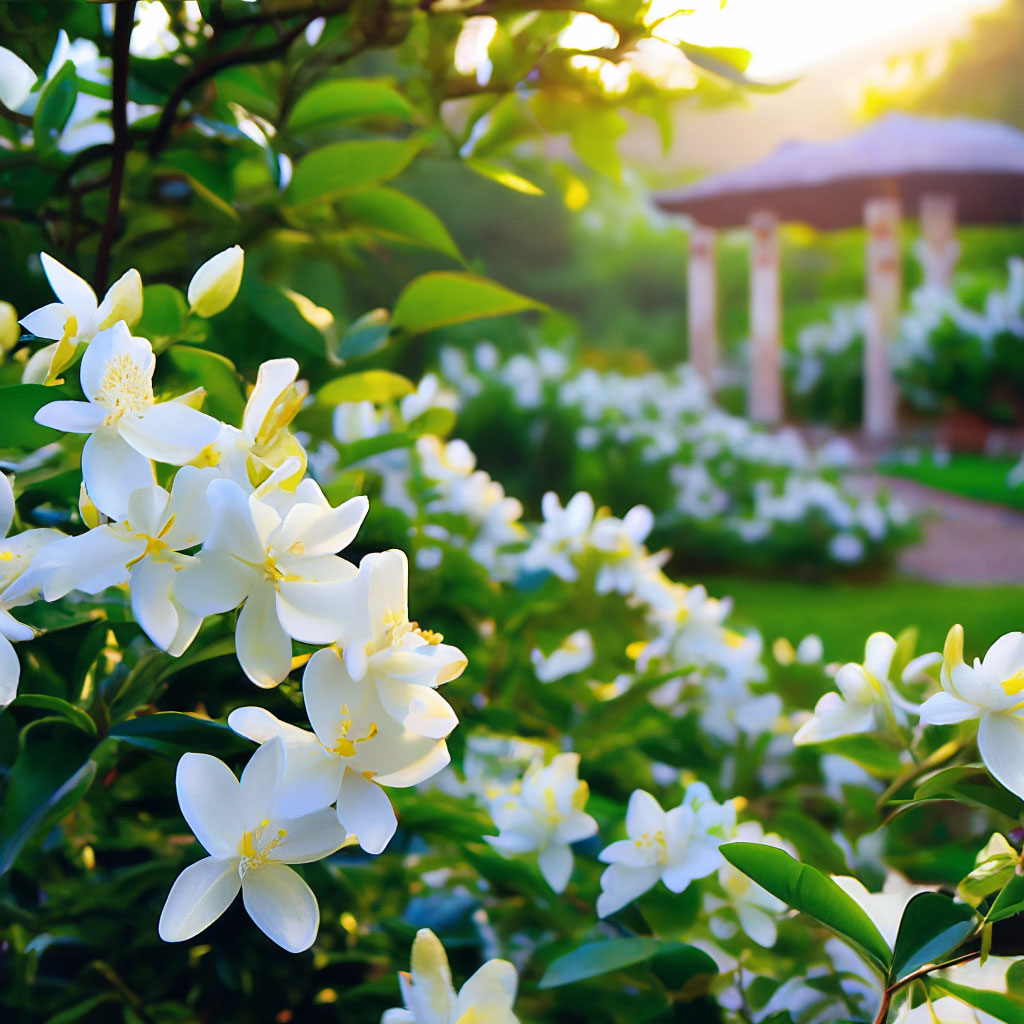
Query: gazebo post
x=702, y=304
x=938, y=248
x=882, y=221
x=765, y=394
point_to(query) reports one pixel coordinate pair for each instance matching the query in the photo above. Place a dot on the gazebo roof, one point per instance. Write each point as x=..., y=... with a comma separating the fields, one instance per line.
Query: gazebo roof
x=825, y=184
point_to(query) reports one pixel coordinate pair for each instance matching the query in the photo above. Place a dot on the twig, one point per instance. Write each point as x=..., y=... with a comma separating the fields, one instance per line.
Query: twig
x=13, y=115
x=891, y=990
x=124, y=19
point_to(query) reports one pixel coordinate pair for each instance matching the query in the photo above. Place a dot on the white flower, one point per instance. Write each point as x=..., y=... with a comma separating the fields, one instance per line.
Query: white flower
x=677, y=846
x=563, y=534
x=810, y=650
x=127, y=427
x=276, y=552
x=78, y=317
x=430, y=998
x=867, y=701
x=543, y=815
x=574, y=654
x=143, y=550
x=404, y=662
x=621, y=541
x=992, y=690
x=215, y=284
x=249, y=846
x=16, y=555
x=357, y=745
x=755, y=908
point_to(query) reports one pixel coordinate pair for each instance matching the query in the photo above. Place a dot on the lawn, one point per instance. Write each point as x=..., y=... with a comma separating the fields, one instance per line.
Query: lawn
x=844, y=614
x=974, y=476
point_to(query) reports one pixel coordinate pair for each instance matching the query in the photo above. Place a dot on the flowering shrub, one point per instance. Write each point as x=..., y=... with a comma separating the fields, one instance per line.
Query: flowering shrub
x=617, y=795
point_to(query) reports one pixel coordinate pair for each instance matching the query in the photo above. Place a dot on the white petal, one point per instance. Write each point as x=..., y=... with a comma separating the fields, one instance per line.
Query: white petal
x=152, y=606
x=418, y=708
x=90, y=562
x=324, y=684
x=12, y=629
x=366, y=812
x=945, y=709
x=123, y=301
x=69, y=287
x=233, y=529
x=1001, y=744
x=758, y=925
x=169, y=432
x=282, y=905
x=111, y=470
x=215, y=284
x=6, y=505
x=492, y=987
x=114, y=343
x=47, y=322
x=213, y=582
x=436, y=759
x=309, y=837
x=387, y=574
x=260, y=781
x=313, y=611
x=71, y=417
x=878, y=654
x=621, y=885
x=16, y=79
x=189, y=507
x=211, y=802
x=273, y=378
x=264, y=648
x=644, y=814
x=323, y=531
x=188, y=627
x=555, y=863
x=200, y=894
x=10, y=672
x=431, y=996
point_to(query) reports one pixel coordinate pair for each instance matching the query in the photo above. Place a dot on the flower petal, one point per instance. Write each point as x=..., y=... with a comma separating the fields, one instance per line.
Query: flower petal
x=260, y=781
x=211, y=802
x=48, y=321
x=10, y=672
x=323, y=531
x=264, y=648
x=621, y=885
x=324, y=684
x=282, y=905
x=152, y=605
x=114, y=343
x=6, y=505
x=272, y=378
x=366, y=812
x=200, y=894
x=644, y=814
x=111, y=470
x=71, y=417
x=312, y=611
x=72, y=290
x=213, y=582
x=418, y=708
x=431, y=996
x=1001, y=744
x=945, y=709
x=309, y=837
x=233, y=528
x=169, y=432
x=89, y=562
x=492, y=987
x=555, y=863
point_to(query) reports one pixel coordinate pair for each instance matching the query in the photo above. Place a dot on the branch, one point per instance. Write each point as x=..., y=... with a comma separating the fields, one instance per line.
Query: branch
x=883, y=1013
x=124, y=19
x=13, y=115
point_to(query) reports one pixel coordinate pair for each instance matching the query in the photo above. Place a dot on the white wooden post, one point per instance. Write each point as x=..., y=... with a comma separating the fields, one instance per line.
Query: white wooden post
x=938, y=248
x=884, y=281
x=702, y=304
x=765, y=394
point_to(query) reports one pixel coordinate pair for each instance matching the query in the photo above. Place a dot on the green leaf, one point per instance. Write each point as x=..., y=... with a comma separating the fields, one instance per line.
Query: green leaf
x=56, y=102
x=596, y=958
x=164, y=310
x=344, y=99
x=809, y=891
x=866, y=751
x=52, y=773
x=444, y=298
x=393, y=214
x=331, y=171
x=1002, y=1007
x=932, y=925
x=174, y=733
x=212, y=181
x=367, y=447
x=20, y=403
x=953, y=784
x=437, y=421
x=364, y=336
x=504, y=177
x=679, y=966
x=1009, y=902
x=76, y=716
x=368, y=386
x=217, y=375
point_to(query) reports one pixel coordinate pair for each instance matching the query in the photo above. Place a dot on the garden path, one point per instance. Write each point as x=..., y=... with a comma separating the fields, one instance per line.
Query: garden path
x=964, y=540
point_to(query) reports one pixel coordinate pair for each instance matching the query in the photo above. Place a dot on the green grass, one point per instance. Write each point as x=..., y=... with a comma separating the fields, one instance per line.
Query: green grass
x=845, y=614
x=974, y=476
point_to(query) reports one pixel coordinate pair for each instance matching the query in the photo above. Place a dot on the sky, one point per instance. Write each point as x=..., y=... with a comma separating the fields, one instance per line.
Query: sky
x=788, y=36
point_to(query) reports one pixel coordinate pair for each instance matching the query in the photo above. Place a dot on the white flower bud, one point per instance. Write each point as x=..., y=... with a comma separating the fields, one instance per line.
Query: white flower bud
x=216, y=282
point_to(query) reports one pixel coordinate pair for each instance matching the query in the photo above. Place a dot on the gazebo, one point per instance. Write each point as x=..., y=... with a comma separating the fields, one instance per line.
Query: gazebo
x=948, y=170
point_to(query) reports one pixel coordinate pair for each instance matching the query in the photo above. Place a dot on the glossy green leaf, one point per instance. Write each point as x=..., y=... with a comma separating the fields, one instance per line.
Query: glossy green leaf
x=437, y=421
x=504, y=177
x=164, y=310
x=367, y=447
x=678, y=966
x=932, y=925
x=174, y=733
x=75, y=715
x=332, y=171
x=56, y=101
x=451, y=297
x=364, y=336
x=217, y=375
x=596, y=958
x=344, y=99
x=805, y=889
x=20, y=403
x=394, y=215
x=368, y=386
x=997, y=1004
x=1009, y=902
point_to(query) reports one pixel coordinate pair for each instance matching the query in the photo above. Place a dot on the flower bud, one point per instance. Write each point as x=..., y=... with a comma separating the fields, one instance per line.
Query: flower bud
x=216, y=282
x=10, y=332
x=122, y=302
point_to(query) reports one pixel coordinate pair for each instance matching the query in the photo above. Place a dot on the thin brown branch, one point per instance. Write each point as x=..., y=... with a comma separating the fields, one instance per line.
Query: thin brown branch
x=124, y=20
x=883, y=1012
x=12, y=115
